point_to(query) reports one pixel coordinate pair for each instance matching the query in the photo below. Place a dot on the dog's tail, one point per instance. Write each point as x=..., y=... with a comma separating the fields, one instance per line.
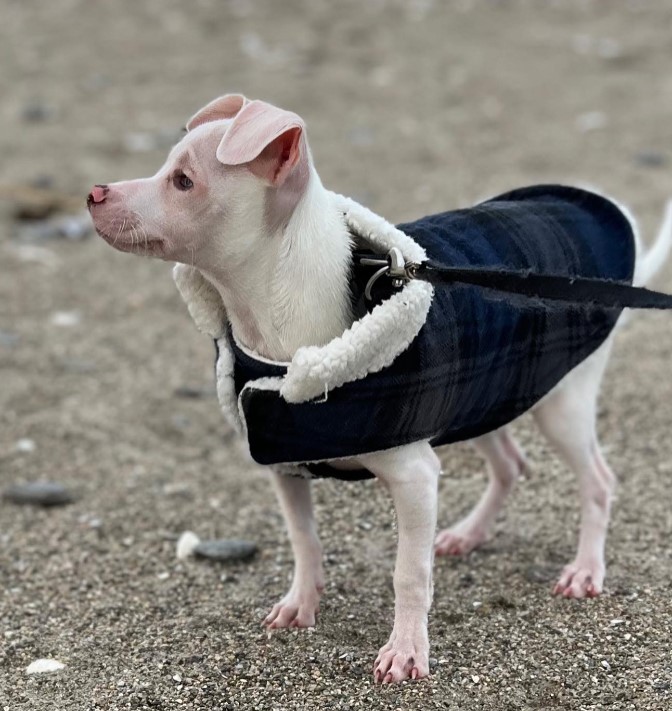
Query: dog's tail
x=656, y=255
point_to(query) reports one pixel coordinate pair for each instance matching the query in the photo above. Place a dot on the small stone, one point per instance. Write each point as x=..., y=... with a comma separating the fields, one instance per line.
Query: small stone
x=225, y=550
x=43, y=181
x=37, y=111
x=193, y=392
x=65, y=319
x=466, y=580
x=605, y=665
x=186, y=544
x=38, y=493
x=651, y=159
x=44, y=666
x=25, y=445
x=178, y=489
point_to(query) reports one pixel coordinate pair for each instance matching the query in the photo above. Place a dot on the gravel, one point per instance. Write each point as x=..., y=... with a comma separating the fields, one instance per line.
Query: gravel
x=419, y=107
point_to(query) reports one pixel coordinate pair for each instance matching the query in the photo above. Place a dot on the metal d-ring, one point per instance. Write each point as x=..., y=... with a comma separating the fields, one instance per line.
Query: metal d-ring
x=393, y=265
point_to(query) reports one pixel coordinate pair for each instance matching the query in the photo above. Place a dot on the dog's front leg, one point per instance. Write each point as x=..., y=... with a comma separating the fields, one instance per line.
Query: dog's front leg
x=411, y=474
x=298, y=607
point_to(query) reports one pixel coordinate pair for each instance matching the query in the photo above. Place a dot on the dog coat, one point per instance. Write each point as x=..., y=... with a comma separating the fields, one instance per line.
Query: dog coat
x=441, y=365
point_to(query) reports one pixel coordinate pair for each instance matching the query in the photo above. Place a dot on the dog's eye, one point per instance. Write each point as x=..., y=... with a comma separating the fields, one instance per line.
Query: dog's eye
x=182, y=182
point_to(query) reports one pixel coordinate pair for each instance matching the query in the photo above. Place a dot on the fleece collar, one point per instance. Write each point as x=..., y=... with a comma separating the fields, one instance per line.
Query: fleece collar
x=369, y=345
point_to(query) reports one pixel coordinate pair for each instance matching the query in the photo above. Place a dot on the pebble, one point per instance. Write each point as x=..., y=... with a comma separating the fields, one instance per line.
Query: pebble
x=44, y=666
x=225, y=550
x=65, y=319
x=186, y=544
x=25, y=445
x=38, y=493
x=37, y=112
x=651, y=159
x=193, y=392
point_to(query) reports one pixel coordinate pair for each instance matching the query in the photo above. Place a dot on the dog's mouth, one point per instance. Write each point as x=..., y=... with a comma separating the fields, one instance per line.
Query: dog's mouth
x=131, y=239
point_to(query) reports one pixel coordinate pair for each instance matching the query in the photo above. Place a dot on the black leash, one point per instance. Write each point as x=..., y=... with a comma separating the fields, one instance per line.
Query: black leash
x=596, y=293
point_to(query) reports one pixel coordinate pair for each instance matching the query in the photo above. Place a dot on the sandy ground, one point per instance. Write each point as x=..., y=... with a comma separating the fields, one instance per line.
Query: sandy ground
x=412, y=107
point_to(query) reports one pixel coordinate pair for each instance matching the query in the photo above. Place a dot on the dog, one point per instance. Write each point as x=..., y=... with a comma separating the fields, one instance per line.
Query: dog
x=239, y=204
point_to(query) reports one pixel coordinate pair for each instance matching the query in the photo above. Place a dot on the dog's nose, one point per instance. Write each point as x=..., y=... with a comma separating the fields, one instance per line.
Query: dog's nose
x=97, y=195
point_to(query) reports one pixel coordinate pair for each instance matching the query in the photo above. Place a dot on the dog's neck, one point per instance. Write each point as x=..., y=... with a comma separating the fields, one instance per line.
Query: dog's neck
x=294, y=292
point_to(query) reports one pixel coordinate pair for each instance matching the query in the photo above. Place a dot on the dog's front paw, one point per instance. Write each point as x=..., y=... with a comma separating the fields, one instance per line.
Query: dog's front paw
x=296, y=609
x=402, y=658
x=579, y=580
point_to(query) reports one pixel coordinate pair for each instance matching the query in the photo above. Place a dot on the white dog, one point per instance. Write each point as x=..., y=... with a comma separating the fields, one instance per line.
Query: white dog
x=239, y=200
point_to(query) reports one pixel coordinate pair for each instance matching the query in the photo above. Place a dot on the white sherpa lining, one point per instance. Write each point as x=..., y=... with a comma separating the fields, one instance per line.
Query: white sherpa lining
x=369, y=345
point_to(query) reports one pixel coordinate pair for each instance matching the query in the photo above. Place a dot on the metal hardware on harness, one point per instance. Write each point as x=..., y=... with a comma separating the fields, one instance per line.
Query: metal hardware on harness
x=393, y=265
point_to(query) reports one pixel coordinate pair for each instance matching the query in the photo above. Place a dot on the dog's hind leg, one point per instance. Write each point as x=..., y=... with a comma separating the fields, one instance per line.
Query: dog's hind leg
x=505, y=463
x=299, y=606
x=567, y=419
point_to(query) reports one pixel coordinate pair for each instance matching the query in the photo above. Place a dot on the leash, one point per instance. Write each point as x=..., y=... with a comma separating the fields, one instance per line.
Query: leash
x=595, y=293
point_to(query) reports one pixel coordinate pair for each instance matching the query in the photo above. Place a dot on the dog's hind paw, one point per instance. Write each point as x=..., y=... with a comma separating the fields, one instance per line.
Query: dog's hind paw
x=296, y=609
x=458, y=540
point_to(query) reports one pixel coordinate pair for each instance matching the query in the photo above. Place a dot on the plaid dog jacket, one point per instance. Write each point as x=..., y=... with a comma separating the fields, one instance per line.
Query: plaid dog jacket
x=480, y=360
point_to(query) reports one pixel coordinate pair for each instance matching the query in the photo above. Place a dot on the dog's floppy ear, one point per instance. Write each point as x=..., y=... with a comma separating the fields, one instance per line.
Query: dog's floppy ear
x=266, y=138
x=225, y=107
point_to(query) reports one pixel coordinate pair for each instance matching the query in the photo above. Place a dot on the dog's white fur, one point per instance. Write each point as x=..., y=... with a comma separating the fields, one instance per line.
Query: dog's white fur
x=263, y=246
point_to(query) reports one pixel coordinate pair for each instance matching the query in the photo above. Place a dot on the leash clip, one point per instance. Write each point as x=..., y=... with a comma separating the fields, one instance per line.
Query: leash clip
x=393, y=265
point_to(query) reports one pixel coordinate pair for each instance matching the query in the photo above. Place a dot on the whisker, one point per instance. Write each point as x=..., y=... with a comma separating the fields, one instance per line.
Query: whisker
x=122, y=227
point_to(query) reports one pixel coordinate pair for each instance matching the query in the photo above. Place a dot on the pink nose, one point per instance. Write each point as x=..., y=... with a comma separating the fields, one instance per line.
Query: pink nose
x=97, y=195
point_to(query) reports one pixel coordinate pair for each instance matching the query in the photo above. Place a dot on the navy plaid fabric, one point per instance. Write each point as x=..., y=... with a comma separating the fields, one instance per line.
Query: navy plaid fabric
x=482, y=358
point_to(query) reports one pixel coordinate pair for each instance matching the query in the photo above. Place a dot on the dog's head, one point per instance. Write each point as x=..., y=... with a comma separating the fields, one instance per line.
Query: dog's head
x=236, y=176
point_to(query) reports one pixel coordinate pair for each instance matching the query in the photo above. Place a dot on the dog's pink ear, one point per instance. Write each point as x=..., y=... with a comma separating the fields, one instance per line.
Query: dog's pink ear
x=225, y=107
x=266, y=138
